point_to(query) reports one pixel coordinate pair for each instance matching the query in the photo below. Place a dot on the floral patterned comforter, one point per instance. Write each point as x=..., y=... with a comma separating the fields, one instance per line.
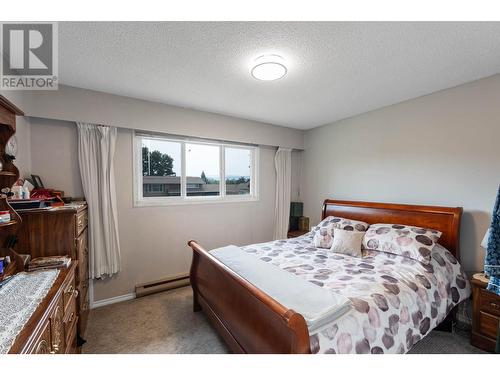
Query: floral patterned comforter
x=396, y=300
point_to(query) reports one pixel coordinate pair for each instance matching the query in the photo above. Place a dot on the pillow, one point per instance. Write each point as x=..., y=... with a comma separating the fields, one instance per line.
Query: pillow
x=323, y=232
x=323, y=237
x=347, y=242
x=342, y=223
x=405, y=240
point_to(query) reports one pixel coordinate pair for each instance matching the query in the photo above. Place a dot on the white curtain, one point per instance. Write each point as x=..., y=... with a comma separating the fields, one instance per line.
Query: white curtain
x=96, y=150
x=283, y=165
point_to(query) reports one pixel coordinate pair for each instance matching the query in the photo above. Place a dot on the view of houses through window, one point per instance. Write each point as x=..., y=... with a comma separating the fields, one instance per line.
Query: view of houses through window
x=162, y=168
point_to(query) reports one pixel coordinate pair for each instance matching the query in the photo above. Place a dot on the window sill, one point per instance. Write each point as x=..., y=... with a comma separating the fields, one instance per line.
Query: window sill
x=191, y=201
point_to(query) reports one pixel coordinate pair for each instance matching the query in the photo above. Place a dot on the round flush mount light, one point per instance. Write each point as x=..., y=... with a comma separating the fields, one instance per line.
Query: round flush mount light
x=269, y=68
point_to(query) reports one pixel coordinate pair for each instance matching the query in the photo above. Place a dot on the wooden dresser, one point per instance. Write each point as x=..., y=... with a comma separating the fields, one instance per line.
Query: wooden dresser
x=485, y=316
x=60, y=231
x=53, y=326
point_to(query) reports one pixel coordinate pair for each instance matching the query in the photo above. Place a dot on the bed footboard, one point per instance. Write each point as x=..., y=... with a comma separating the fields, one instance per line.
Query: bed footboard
x=248, y=319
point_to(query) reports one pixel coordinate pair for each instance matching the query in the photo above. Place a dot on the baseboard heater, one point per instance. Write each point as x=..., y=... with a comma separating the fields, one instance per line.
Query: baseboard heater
x=161, y=285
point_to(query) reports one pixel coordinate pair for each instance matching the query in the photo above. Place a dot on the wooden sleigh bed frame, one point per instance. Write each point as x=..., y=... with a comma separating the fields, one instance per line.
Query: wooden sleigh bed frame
x=250, y=321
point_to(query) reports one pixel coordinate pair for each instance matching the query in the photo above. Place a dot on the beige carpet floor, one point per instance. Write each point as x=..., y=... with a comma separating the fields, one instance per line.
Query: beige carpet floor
x=165, y=323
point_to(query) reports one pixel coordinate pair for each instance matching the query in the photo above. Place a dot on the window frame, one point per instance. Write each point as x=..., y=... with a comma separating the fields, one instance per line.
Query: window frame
x=183, y=199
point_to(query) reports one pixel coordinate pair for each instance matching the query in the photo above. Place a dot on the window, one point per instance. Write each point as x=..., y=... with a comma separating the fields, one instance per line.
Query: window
x=161, y=167
x=176, y=171
x=202, y=170
x=238, y=170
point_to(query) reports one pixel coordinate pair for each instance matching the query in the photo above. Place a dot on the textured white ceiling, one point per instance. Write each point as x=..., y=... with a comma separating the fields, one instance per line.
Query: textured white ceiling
x=335, y=69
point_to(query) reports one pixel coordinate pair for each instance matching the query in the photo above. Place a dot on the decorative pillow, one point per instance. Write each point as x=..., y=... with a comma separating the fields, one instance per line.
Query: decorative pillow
x=347, y=242
x=323, y=237
x=408, y=241
x=323, y=232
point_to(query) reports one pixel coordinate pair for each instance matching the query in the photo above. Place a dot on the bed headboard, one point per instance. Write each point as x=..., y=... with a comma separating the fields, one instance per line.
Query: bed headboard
x=444, y=219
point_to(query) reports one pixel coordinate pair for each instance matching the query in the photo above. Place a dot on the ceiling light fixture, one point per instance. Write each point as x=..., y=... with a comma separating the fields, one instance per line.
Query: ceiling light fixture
x=269, y=68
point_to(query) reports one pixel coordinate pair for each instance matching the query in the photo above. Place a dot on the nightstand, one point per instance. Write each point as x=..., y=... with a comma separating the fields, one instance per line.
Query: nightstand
x=296, y=233
x=485, y=315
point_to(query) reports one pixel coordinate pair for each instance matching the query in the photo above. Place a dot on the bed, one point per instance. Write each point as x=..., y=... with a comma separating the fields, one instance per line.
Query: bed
x=395, y=301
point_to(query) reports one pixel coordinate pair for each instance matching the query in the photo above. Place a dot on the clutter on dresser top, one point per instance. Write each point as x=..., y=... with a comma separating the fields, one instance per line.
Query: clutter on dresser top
x=30, y=193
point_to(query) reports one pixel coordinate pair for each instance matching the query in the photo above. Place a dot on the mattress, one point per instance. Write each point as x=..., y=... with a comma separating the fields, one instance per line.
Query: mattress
x=318, y=306
x=396, y=301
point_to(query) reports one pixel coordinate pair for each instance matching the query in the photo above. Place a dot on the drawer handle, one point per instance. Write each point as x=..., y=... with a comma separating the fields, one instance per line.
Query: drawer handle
x=71, y=317
x=55, y=349
x=71, y=290
x=75, y=293
x=494, y=306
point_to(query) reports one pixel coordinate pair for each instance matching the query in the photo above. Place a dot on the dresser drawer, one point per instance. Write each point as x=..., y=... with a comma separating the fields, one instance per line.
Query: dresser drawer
x=69, y=293
x=71, y=347
x=489, y=302
x=82, y=251
x=83, y=271
x=70, y=320
x=83, y=294
x=57, y=336
x=42, y=342
x=81, y=221
x=488, y=324
x=83, y=303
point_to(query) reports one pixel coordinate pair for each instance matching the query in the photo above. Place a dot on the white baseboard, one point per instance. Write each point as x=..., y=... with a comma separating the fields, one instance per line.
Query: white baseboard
x=110, y=301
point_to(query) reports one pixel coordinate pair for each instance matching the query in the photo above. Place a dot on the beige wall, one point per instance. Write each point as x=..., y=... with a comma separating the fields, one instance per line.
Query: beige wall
x=440, y=149
x=54, y=155
x=75, y=104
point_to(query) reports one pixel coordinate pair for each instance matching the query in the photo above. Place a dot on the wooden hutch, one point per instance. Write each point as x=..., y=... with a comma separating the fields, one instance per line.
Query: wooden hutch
x=52, y=328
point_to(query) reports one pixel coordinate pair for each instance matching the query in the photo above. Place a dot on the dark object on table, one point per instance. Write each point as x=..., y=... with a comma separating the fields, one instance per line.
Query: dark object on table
x=37, y=181
x=24, y=204
x=296, y=209
x=304, y=223
x=485, y=315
